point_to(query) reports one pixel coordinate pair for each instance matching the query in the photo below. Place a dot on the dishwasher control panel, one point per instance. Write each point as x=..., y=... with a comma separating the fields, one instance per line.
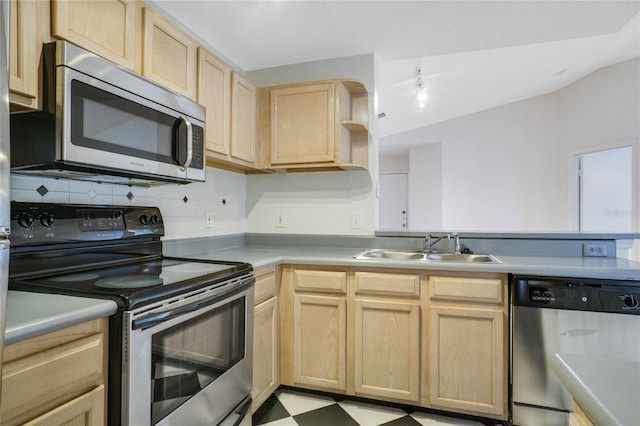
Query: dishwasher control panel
x=616, y=296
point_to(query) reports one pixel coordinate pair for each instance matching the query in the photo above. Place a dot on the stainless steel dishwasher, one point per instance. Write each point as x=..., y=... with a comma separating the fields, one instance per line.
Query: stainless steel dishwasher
x=550, y=315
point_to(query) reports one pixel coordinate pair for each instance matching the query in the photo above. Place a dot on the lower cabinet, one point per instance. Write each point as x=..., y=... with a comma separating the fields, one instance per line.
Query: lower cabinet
x=578, y=417
x=319, y=341
x=406, y=336
x=57, y=378
x=266, y=337
x=466, y=348
x=313, y=313
x=386, y=336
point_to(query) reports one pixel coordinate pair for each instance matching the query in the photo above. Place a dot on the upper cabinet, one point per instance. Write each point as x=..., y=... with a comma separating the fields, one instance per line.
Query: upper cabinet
x=23, y=59
x=316, y=126
x=214, y=93
x=106, y=27
x=230, y=100
x=243, y=119
x=312, y=126
x=303, y=124
x=169, y=57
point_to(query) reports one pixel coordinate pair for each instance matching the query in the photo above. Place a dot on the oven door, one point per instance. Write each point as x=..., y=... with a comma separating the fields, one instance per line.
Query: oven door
x=104, y=125
x=189, y=361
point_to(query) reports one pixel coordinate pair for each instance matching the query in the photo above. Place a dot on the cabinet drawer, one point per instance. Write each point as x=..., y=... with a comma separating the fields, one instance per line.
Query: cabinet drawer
x=265, y=287
x=387, y=284
x=40, y=382
x=85, y=410
x=324, y=281
x=482, y=290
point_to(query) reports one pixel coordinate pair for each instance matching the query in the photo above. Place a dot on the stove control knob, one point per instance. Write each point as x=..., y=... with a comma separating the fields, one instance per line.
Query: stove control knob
x=25, y=220
x=630, y=301
x=154, y=219
x=47, y=220
x=144, y=219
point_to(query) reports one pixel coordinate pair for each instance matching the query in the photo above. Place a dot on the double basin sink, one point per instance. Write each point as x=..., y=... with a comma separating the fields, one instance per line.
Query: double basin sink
x=416, y=255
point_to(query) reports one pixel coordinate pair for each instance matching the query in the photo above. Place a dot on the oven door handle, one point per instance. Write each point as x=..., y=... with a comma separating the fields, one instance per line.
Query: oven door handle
x=156, y=318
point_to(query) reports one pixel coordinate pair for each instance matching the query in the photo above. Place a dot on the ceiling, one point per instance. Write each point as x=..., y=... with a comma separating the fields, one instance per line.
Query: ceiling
x=473, y=55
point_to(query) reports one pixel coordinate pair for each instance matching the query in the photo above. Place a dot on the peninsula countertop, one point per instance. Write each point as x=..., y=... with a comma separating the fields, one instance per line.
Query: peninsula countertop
x=607, y=389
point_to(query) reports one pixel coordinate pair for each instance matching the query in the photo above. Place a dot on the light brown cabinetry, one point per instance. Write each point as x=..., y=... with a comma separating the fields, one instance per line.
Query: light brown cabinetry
x=23, y=53
x=466, y=348
x=316, y=126
x=386, y=335
x=131, y=34
x=169, y=57
x=230, y=100
x=243, y=119
x=105, y=27
x=214, y=93
x=436, y=340
x=57, y=378
x=351, y=332
x=266, y=337
x=314, y=313
x=578, y=417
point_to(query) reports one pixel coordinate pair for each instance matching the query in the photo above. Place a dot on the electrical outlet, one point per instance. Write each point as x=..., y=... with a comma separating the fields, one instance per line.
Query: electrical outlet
x=209, y=219
x=594, y=250
x=281, y=220
x=356, y=220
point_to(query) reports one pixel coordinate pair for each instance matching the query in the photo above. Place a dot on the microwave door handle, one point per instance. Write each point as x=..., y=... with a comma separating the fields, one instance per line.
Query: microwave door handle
x=187, y=162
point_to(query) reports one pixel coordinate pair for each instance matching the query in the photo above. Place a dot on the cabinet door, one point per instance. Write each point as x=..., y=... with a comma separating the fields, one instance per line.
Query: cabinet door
x=168, y=55
x=37, y=383
x=467, y=360
x=104, y=27
x=319, y=341
x=23, y=63
x=243, y=119
x=303, y=124
x=86, y=410
x=214, y=93
x=387, y=341
x=266, y=342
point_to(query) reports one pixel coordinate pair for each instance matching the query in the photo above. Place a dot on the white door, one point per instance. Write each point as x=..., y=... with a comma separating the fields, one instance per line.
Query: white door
x=393, y=202
x=606, y=191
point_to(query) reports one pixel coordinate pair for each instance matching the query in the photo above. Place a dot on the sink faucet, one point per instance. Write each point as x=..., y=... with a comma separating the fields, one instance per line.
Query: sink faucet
x=429, y=243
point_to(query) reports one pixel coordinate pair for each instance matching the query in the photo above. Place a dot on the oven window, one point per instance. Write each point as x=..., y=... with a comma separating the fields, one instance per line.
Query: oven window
x=103, y=121
x=190, y=355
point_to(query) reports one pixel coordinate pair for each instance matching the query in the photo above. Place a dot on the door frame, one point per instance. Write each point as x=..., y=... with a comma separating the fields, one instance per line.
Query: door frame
x=574, y=182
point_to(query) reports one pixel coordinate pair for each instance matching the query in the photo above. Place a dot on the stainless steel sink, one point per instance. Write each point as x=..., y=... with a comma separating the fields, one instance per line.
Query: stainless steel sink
x=416, y=255
x=392, y=254
x=462, y=257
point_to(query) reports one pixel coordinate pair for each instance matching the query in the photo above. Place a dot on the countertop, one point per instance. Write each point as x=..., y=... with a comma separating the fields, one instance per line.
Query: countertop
x=608, y=390
x=261, y=256
x=32, y=314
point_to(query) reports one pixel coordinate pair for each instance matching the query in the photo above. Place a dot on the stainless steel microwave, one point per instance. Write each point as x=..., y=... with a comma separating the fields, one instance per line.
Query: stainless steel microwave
x=102, y=122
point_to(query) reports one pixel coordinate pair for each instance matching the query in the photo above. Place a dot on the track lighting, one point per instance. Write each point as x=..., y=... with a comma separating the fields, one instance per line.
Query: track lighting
x=421, y=90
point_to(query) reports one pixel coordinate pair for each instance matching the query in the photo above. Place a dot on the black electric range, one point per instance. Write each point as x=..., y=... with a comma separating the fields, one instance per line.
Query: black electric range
x=110, y=252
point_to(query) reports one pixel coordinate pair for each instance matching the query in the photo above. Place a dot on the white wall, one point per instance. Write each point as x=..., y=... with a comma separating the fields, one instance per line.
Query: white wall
x=506, y=169
x=182, y=219
x=317, y=202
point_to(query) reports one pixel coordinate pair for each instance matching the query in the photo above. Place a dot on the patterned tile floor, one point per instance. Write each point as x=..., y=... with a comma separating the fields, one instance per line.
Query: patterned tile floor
x=294, y=408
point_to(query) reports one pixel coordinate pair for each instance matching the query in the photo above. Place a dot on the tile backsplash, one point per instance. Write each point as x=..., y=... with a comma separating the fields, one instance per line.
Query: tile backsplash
x=183, y=207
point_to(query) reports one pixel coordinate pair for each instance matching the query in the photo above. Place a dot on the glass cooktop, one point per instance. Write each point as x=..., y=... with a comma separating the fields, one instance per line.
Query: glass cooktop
x=136, y=283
